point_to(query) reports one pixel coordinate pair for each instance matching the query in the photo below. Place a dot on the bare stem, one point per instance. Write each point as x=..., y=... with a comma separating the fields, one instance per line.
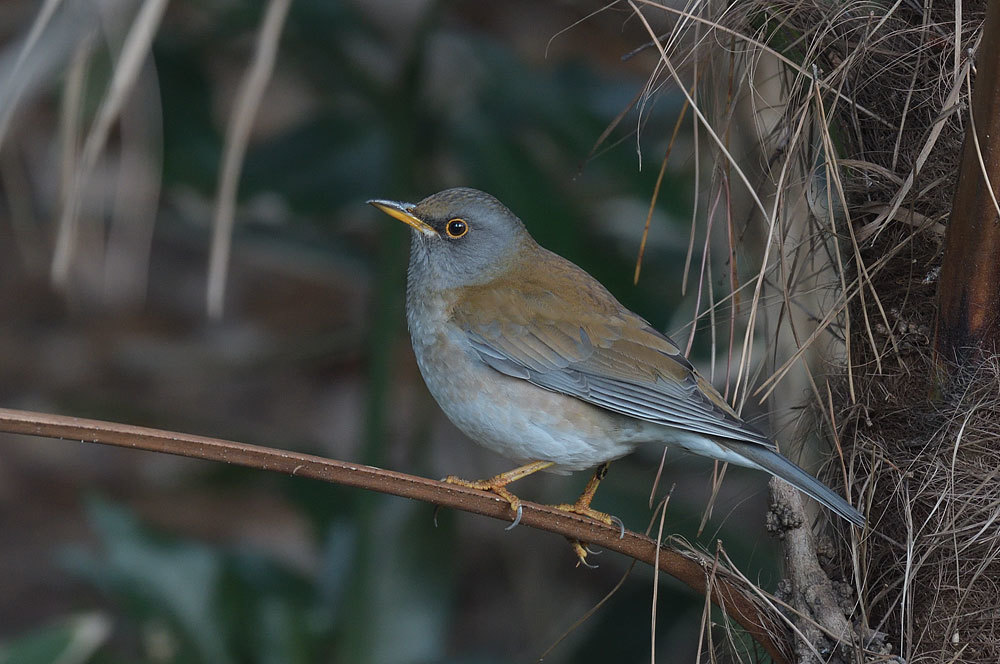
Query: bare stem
x=727, y=591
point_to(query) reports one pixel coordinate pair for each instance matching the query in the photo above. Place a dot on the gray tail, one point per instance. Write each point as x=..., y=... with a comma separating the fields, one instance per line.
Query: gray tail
x=779, y=466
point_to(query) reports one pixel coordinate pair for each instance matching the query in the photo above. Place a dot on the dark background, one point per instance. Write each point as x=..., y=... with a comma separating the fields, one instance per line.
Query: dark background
x=171, y=560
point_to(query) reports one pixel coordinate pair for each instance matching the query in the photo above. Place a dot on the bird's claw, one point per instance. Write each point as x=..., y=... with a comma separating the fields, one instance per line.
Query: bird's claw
x=621, y=526
x=517, y=518
x=581, y=554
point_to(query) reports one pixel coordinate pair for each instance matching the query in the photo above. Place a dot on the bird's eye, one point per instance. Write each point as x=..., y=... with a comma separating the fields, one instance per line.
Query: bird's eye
x=456, y=228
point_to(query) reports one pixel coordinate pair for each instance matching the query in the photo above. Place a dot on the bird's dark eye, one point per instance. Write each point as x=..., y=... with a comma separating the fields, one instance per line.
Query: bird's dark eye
x=456, y=228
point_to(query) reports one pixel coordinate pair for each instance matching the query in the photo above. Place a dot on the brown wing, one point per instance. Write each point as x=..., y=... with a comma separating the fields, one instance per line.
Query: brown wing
x=593, y=349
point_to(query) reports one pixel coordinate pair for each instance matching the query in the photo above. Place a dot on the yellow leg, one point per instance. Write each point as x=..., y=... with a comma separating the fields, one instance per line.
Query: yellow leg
x=499, y=483
x=583, y=508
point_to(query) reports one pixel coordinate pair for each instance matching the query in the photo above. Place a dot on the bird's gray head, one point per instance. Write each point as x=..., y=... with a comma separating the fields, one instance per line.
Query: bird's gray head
x=461, y=237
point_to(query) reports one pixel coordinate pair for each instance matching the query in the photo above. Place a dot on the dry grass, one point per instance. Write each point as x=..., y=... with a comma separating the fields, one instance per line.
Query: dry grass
x=925, y=455
x=861, y=109
x=931, y=581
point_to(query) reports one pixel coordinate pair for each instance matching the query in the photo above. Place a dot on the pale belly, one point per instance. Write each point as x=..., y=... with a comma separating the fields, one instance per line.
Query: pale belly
x=519, y=420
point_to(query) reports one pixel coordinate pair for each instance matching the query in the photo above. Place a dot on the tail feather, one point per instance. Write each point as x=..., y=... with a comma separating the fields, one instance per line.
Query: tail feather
x=781, y=467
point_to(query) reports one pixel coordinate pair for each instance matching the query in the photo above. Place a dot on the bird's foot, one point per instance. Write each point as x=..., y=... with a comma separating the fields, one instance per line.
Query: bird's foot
x=498, y=489
x=579, y=549
x=498, y=484
x=588, y=511
x=583, y=508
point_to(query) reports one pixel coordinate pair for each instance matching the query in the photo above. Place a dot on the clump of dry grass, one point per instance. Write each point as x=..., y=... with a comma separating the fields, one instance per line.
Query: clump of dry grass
x=923, y=455
x=901, y=69
x=862, y=109
x=930, y=580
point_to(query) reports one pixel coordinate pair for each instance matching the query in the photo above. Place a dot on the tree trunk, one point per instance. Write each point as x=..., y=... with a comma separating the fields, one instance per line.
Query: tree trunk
x=968, y=322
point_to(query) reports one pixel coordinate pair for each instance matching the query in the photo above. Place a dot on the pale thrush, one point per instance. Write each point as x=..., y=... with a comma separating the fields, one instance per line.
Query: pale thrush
x=534, y=359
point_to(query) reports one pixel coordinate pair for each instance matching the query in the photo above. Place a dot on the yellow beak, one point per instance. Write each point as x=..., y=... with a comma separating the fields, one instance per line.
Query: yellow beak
x=401, y=211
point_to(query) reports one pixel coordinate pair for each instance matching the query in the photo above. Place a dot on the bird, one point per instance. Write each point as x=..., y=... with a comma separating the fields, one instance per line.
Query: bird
x=532, y=358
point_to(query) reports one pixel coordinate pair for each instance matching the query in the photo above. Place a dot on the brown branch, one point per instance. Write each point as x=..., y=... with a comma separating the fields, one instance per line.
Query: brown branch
x=818, y=614
x=728, y=592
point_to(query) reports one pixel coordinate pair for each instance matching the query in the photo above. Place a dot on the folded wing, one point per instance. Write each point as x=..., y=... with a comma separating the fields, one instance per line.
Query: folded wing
x=594, y=350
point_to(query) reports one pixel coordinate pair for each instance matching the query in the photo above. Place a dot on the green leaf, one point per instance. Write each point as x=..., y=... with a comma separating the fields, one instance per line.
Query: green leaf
x=70, y=641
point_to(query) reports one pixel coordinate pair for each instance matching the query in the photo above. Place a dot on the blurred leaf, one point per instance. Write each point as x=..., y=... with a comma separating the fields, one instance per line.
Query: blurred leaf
x=269, y=612
x=176, y=579
x=71, y=641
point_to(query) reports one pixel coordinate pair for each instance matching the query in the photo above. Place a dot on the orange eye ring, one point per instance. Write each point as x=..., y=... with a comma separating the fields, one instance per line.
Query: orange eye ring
x=456, y=228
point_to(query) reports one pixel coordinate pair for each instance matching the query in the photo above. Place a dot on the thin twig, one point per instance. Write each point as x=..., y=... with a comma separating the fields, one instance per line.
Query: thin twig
x=237, y=137
x=655, y=197
x=690, y=568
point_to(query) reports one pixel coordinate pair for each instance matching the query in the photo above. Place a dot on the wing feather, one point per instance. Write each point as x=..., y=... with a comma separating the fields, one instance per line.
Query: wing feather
x=596, y=351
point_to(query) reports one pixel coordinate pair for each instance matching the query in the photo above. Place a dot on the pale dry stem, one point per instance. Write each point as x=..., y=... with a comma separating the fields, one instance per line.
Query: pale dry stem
x=237, y=138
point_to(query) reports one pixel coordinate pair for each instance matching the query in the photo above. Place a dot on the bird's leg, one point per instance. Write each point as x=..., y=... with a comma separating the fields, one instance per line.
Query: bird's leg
x=582, y=504
x=498, y=484
x=583, y=508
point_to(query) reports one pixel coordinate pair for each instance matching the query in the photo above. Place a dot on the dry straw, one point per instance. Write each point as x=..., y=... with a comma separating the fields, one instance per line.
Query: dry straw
x=861, y=110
